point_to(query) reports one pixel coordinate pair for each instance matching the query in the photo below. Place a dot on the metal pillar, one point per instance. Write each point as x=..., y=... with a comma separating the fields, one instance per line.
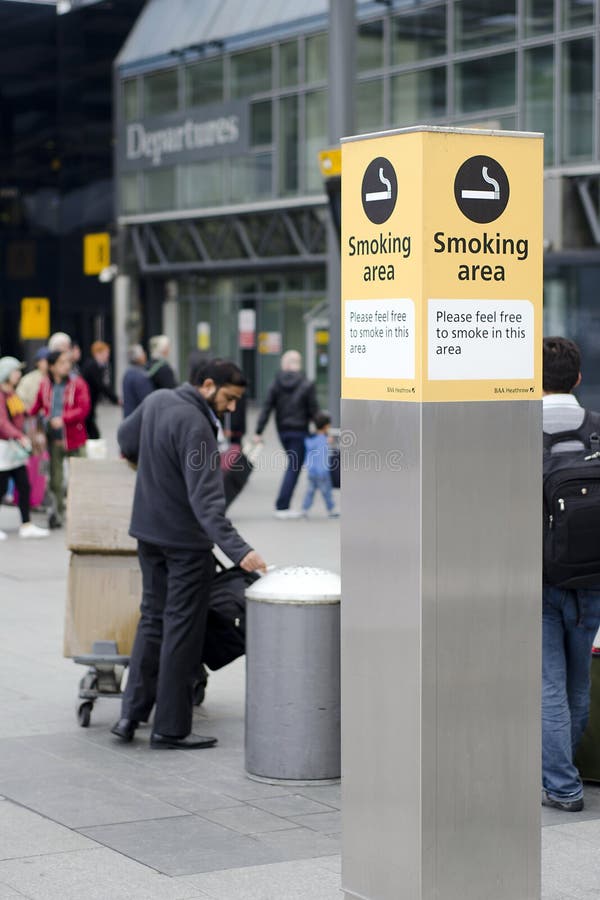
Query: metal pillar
x=441, y=525
x=342, y=41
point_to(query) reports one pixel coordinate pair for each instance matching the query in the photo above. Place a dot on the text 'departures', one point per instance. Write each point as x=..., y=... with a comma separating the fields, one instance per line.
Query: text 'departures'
x=379, y=339
x=480, y=340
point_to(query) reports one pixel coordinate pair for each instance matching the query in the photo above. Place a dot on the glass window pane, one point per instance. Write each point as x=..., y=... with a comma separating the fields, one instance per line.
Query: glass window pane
x=288, y=145
x=288, y=64
x=261, y=131
x=577, y=99
x=203, y=183
x=539, y=17
x=316, y=138
x=369, y=46
x=369, y=106
x=251, y=177
x=130, y=197
x=160, y=93
x=485, y=83
x=539, y=96
x=479, y=23
x=577, y=13
x=419, y=35
x=418, y=97
x=204, y=82
x=159, y=189
x=130, y=100
x=251, y=72
x=317, y=53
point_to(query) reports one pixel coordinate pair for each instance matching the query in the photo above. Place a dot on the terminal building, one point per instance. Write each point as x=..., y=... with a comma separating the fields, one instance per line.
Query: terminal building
x=205, y=168
x=222, y=107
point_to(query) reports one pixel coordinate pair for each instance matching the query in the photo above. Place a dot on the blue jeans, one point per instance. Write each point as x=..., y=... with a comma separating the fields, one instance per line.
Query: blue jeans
x=293, y=444
x=320, y=483
x=570, y=620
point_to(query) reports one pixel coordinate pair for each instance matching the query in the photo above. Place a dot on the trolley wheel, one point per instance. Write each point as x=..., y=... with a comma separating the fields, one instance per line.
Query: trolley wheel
x=84, y=714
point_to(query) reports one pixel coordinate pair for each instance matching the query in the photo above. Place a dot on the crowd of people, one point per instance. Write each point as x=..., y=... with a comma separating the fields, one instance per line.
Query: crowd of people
x=49, y=415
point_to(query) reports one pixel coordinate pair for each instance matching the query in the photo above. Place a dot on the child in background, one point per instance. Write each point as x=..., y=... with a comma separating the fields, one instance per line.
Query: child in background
x=317, y=466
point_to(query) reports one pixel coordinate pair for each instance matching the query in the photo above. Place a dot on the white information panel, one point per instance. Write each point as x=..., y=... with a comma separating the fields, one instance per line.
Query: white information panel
x=379, y=338
x=480, y=340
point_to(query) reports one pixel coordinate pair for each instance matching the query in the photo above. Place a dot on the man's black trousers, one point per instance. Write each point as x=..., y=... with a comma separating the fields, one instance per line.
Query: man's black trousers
x=170, y=637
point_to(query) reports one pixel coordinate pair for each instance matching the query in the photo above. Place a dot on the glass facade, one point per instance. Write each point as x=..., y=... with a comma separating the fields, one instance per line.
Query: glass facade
x=526, y=65
x=482, y=63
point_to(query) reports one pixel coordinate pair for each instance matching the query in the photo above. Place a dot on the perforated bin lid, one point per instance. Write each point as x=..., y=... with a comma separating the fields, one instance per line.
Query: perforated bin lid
x=296, y=584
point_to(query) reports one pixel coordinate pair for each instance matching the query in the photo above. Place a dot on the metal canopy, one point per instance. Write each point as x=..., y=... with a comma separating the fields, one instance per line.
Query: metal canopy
x=243, y=243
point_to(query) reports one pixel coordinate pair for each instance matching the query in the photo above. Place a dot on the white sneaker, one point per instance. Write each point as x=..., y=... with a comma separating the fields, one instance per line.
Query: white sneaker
x=29, y=530
x=3, y=536
x=287, y=514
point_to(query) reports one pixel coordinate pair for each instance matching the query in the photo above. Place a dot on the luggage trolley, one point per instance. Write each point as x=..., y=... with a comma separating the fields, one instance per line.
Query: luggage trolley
x=104, y=677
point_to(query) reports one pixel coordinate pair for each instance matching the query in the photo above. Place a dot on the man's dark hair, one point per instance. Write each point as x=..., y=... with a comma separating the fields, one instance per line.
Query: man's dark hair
x=221, y=371
x=321, y=420
x=562, y=365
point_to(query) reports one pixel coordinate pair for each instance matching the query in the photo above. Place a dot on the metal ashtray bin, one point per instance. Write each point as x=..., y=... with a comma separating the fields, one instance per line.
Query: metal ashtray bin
x=293, y=676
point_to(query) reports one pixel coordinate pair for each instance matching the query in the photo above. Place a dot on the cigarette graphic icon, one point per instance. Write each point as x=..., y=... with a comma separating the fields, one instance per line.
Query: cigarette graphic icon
x=483, y=195
x=380, y=195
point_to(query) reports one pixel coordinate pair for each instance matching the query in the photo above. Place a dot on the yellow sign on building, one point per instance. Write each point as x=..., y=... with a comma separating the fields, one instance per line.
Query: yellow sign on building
x=442, y=266
x=96, y=252
x=35, y=318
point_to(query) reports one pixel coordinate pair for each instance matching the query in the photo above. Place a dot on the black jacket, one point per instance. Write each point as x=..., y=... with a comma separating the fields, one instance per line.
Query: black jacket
x=161, y=374
x=98, y=379
x=179, y=499
x=294, y=399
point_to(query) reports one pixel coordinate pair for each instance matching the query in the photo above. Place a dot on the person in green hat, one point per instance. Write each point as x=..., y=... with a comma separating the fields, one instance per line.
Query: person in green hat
x=15, y=446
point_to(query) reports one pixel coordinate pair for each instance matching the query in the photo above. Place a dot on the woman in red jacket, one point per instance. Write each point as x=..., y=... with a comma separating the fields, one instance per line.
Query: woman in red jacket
x=64, y=402
x=15, y=445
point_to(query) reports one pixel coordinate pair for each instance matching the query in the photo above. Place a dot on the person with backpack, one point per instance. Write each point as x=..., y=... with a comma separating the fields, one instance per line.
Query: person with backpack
x=160, y=372
x=294, y=399
x=571, y=588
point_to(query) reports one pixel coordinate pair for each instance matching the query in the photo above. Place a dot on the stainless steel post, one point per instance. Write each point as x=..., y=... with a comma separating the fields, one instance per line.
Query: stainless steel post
x=441, y=538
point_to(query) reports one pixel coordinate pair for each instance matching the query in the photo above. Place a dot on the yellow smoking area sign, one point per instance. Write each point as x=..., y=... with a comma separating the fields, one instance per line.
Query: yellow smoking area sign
x=96, y=252
x=35, y=318
x=442, y=266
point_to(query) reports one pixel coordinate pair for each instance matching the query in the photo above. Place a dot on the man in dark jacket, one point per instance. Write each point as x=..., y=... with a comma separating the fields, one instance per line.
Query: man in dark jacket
x=97, y=374
x=159, y=370
x=136, y=383
x=178, y=514
x=294, y=399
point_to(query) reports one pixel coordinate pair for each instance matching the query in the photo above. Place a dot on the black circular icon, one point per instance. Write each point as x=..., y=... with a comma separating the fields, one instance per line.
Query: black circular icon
x=379, y=190
x=481, y=189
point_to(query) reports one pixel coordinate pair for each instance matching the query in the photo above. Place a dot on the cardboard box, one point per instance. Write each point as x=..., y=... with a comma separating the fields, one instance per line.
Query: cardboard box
x=103, y=600
x=99, y=502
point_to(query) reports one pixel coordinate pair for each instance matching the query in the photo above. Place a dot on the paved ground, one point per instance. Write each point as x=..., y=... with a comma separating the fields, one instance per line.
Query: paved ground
x=82, y=816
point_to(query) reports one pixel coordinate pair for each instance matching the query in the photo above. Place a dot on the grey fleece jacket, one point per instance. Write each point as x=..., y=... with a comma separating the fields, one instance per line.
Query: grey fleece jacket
x=179, y=499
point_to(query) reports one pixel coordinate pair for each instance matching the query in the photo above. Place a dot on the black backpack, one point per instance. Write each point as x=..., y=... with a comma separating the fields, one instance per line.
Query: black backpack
x=572, y=508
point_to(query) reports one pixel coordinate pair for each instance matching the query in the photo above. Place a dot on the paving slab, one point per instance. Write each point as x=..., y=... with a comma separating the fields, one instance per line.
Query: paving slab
x=301, y=880
x=96, y=874
x=570, y=862
x=84, y=800
x=291, y=805
x=21, y=830
x=325, y=823
x=187, y=845
x=247, y=819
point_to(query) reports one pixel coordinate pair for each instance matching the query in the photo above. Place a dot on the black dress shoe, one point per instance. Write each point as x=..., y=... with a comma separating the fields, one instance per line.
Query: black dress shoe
x=124, y=729
x=191, y=742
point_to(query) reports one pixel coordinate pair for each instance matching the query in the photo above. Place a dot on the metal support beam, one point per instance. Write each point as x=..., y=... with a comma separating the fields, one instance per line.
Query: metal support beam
x=591, y=213
x=342, y=43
